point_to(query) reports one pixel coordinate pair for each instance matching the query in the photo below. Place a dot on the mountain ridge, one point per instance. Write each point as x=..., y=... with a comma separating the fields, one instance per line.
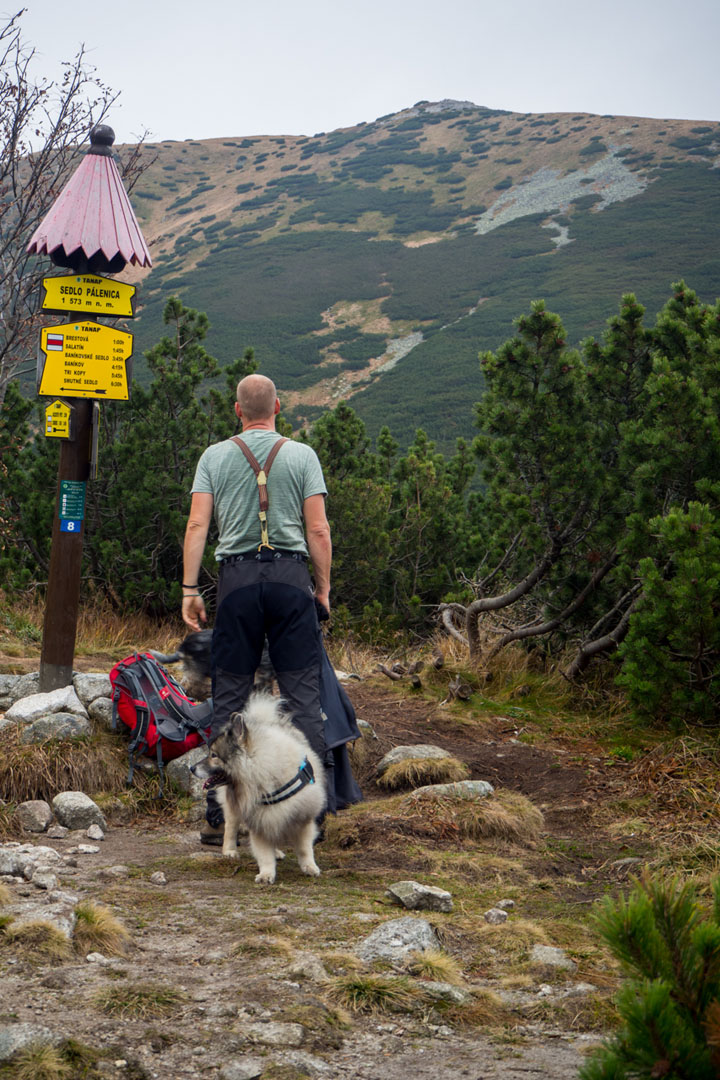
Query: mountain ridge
x=352, y=258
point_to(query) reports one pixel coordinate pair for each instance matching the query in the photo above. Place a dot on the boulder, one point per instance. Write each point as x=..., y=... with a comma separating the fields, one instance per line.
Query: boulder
x=75, y=810
x=100, y=710
x=15, y=1037
x=178, y=771
x=33, y=706
x=397, y=939
x=550, y=956
x=58, y=725
x=19, y=860
x=422, y=751
x=92, y=685
x=416, y=897
x=34, y=815
x=461, y=789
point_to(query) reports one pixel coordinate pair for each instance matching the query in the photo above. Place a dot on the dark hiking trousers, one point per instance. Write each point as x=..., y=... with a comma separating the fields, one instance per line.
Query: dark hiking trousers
x=271, y=597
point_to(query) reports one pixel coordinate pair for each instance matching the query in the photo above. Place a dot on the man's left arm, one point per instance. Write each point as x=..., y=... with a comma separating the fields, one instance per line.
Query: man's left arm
x=317, y=530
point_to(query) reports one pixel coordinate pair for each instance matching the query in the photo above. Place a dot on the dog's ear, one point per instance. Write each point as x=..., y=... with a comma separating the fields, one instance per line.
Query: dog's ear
x=238, y=728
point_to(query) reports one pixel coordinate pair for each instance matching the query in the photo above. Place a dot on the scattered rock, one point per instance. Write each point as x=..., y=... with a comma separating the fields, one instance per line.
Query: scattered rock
x=32, y=707
x=417, y=897
x=396, y=939
x=505, y=905
x=95, y=833
x=44, y=878
x=248, y=1068
x=14, y=1037
x=57, y=832
x=550, y=956
x=97, y=958
x=306, y=965
x=461, y=789
x=34, y=815
x=420, y=752
x=56, y=725
x=158, y=878
x=18, y=858
x=366, y=729
x=495, y=916
x=307, y=1064
x=442, y=991
x=76, y=810
x=100, y=710
x=273, y=1033
x=89, y=686
x=178, y=771
x=114, y=873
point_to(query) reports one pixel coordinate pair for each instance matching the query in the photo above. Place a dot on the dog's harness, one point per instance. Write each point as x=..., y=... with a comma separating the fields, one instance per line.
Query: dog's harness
x=261, y=475
x=304, y=776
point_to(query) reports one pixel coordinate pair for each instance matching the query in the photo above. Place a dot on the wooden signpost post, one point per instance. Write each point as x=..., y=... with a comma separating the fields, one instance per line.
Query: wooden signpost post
x=81, y=361
x=90, y=229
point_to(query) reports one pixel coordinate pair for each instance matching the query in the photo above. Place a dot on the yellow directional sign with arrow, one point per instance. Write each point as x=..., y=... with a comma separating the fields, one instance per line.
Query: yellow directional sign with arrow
x=84, y=359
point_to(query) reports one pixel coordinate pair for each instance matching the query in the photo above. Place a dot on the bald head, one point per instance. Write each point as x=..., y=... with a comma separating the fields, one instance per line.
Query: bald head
x=256, y=397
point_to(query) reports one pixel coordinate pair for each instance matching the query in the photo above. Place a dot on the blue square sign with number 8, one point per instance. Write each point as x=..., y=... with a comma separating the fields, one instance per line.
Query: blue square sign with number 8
x=70, y=526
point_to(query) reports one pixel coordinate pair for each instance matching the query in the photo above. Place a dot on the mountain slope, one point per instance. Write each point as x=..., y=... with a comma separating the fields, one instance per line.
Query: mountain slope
x=373, y=263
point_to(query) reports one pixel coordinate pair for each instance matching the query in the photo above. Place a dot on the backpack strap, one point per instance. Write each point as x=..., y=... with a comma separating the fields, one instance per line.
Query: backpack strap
x=261, y=475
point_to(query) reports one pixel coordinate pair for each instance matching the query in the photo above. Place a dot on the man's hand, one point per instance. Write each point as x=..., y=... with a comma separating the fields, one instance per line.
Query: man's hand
x=193, y=611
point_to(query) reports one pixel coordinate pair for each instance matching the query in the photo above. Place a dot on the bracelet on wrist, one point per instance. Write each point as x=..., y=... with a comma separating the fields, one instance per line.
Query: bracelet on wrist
x=190, y=586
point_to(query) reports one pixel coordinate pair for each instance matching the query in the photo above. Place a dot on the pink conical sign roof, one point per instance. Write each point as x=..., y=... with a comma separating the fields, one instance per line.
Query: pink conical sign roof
x=91, y=226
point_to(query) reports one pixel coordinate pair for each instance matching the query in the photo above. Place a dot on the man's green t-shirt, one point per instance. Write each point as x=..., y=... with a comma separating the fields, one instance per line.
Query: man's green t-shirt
x=224, y=472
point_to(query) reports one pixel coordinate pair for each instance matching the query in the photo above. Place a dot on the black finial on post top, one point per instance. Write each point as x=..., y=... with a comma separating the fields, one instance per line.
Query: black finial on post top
x=101, y=139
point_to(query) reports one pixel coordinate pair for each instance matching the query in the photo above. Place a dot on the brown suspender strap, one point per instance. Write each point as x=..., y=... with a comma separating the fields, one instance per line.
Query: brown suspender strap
x=261, y=475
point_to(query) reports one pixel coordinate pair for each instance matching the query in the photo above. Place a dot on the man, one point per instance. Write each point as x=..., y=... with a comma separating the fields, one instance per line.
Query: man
x=264, y=589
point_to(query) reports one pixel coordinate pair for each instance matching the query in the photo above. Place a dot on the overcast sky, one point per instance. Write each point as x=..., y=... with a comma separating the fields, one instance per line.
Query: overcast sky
x=226, y=68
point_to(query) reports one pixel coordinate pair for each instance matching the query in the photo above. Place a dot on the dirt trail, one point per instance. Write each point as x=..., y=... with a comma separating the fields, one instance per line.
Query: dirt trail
x=237, y=953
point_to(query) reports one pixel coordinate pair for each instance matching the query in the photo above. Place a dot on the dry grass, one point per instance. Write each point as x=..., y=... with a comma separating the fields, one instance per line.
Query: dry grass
x=417, y=772
x=5, y=894
x=36, y=940
x=373, y=993
x=40, y=1062
x=505, y=815
x=41, y=770
x=98, y=930
x=436, y=965
x=263, y=945
x=100, y=629
x=139, y=1002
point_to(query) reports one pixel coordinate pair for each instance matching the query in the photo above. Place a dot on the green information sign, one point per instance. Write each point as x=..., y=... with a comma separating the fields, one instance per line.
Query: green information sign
x=72, y=500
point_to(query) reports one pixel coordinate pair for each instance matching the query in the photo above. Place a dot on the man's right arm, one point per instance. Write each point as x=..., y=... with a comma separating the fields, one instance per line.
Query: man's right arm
x=201, y=509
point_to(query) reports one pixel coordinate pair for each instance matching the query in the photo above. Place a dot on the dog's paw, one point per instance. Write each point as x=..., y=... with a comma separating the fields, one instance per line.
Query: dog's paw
x=310, y=868
x=230, y=853
x=265, y=877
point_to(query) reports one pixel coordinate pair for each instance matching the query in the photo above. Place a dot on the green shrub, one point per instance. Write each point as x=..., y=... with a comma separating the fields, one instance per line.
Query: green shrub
x=670, y=1005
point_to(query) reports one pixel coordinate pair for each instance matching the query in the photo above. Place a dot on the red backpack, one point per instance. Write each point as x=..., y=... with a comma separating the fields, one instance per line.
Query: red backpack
x=163, y=721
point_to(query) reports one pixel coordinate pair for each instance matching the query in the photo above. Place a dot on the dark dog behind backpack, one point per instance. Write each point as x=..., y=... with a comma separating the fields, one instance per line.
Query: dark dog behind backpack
x=164, y=722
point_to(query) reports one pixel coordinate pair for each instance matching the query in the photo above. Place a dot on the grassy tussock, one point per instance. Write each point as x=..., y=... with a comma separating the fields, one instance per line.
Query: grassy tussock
x=437, y=966
x=98, y=930
x=263, y=945
x=485, y=1012
x=138, y=1002
x=39, y=1062
x=35, y=940
x=417, y=772
x=362, y=993
x=505, y=815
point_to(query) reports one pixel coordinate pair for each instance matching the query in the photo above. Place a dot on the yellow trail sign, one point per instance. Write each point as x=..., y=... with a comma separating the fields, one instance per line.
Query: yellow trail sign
x=88, y=293
x=58, y=420
x=84, y=359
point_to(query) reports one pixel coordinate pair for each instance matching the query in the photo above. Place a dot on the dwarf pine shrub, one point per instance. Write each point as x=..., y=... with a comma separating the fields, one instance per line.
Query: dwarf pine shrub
x=669, y=1006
